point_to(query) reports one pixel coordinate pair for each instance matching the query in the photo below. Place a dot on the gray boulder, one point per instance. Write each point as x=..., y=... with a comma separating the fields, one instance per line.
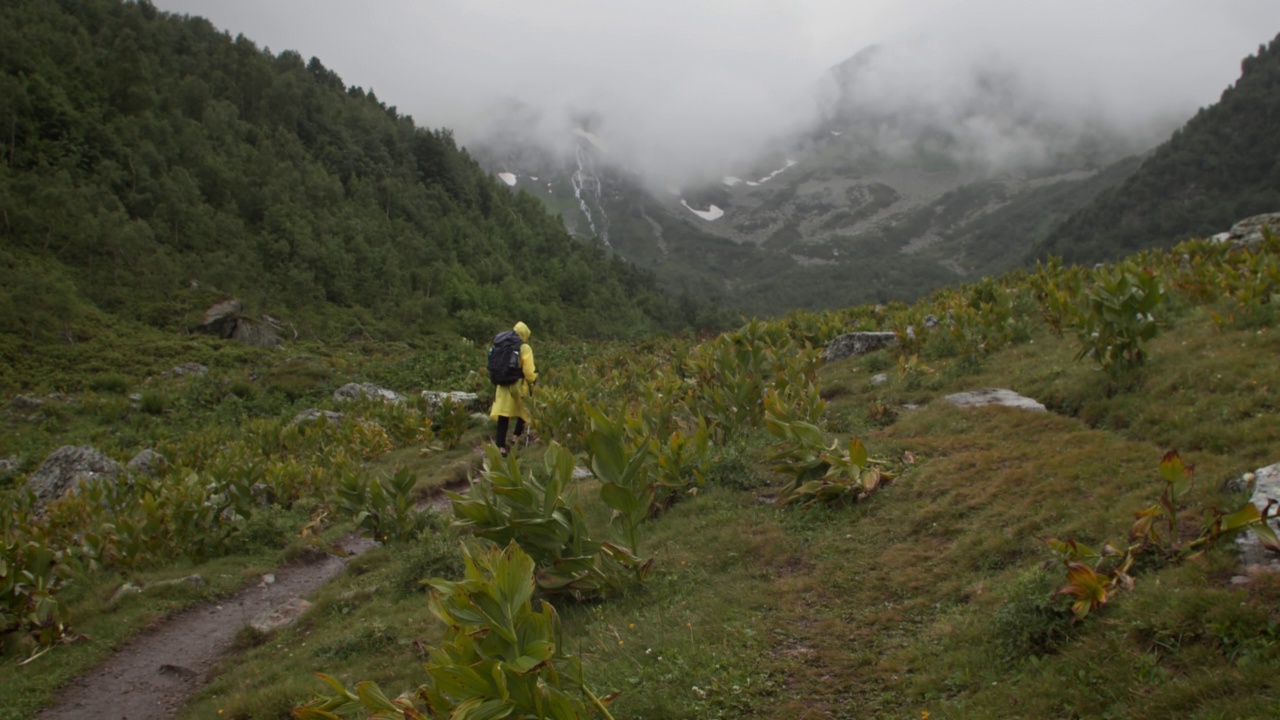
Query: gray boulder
x=1248, y=232
x=191, y=368
x=360, y=391
x=470, y=401
x=1266, y=487
x=26, y=403
x=66, y=467
x=147, y=462
x=225, y=321
x=994, y=396
x=312, y=414
x=255, y=333
x=858, y=343
x=220, y=319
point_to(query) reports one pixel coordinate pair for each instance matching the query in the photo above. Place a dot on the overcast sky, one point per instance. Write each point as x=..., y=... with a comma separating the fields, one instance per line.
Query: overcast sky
x=683, y=82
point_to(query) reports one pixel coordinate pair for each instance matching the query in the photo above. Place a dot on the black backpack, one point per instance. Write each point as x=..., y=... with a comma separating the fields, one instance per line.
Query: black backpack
x=504, y=358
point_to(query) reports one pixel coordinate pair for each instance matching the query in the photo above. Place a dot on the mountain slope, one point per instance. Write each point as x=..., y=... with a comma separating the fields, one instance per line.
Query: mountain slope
x=154, y=164
x=1220, y=167
x=881, y=199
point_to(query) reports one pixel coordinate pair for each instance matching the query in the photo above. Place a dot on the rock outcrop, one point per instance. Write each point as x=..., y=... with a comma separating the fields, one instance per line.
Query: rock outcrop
x=225, y=321
x=1248, y=232
x=66, y=467
x=1266, y=487
x=360, y=391
x=26, y=403
x=469, y=401
x=858, y=343
x=147, y=462
x=994, y=396
x=313, y=414
x=190, y=368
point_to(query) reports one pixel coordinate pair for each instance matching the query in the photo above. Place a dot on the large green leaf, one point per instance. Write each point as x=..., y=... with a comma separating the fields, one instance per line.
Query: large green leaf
x=618, y=498
x=458, y=681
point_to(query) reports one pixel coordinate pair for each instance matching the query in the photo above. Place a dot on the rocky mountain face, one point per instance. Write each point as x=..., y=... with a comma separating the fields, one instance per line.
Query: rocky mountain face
x=889, y=193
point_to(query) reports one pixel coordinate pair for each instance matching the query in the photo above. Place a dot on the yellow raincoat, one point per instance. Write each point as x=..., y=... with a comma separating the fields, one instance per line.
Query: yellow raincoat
x=508, y=400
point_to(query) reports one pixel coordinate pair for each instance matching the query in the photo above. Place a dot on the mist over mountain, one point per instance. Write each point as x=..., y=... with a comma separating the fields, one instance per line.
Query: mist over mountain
x=1221, y=167
x=690, y=89
x=899, y=181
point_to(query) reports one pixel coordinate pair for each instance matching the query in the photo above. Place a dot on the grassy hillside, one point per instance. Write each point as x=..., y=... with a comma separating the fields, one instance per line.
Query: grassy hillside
x=153, y=165
x=1220, y=167
x=790, y=577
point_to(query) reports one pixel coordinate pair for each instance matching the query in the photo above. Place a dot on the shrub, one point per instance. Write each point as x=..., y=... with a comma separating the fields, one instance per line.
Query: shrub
x=1032, y=619
x=1118, y=321
x=500, y=656
x=435, y=554
x=529, y=508
x=110, y=383
x=154, y=402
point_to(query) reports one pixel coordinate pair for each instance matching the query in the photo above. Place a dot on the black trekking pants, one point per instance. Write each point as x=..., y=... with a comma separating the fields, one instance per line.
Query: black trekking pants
x=502, y=429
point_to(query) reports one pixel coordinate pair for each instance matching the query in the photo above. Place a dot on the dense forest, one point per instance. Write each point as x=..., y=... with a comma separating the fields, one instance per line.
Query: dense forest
x=1219, y=168
x=153, y=165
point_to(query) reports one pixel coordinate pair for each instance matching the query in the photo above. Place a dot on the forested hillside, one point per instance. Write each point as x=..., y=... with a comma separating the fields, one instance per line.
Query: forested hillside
x=1220, y=167
x=152, y=164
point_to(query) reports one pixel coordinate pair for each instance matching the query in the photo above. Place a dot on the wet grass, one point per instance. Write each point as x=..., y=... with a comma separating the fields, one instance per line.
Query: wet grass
x=930, y=597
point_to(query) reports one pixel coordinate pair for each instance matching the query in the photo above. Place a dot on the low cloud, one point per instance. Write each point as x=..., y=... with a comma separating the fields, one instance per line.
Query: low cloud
x=689, y=87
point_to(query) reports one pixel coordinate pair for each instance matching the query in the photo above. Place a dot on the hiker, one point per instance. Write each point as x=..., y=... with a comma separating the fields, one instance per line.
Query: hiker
x=508, y=399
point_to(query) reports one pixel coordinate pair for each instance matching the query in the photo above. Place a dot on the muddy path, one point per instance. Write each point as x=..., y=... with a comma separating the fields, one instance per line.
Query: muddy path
x=155, y=673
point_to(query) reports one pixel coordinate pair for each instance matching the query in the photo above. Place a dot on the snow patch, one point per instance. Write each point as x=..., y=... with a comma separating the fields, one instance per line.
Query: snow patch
x=835, y=133
x=752, y=184
x=508, y=178
x=731, y=180
x=774, y=174
x=711, y=213
x=533, y=178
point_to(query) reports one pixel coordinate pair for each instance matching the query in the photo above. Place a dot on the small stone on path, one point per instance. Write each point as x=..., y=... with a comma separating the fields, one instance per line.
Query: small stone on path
x=282, y=616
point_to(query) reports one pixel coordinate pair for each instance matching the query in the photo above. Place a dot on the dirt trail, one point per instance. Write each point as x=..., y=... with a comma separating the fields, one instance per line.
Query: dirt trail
x=155, y=673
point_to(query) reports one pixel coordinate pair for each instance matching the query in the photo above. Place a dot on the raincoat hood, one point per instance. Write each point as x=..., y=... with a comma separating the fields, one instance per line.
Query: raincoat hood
x=522, y=330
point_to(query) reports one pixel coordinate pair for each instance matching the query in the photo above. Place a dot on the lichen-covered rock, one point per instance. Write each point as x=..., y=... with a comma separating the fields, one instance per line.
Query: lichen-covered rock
x=994, y=396
x=190, y=368
x=469, y=401
x=313, y=414
x=225, y=321
x=67, y=466
x=220, y=318
x=26, y=403
x=360, y=391
x=1248, y=232
x=147, y=462
x=858, y=343
x=254, y=333
x=1265, y=487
